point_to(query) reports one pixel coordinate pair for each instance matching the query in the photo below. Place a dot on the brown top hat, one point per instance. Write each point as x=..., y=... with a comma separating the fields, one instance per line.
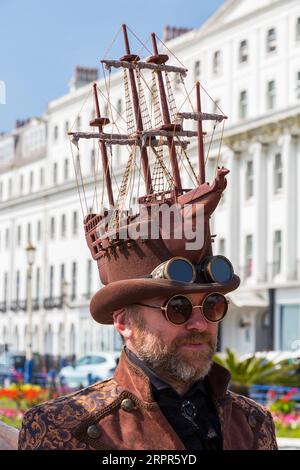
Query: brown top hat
x=137, y=267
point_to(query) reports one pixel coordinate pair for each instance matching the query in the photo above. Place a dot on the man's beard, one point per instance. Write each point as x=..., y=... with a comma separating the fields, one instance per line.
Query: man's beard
x=186, y=366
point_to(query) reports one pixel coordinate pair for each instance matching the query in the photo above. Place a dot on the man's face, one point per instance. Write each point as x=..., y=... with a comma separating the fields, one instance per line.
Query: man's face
x=182, y=352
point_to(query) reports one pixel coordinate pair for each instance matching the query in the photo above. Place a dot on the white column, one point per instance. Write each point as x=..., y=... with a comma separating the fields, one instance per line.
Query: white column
x=289, y=216
x=258, y=150
x=233, y=198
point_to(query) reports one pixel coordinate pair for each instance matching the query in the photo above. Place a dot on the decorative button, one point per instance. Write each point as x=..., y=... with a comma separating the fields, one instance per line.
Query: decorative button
x=127, y=404
x=252, y=421
x=93, y=431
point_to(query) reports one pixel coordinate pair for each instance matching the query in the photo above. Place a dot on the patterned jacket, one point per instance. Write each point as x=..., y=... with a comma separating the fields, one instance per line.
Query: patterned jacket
x=120, y=413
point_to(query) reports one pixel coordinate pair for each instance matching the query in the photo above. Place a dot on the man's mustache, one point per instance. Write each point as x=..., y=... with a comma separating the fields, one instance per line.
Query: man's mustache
x=194, y=337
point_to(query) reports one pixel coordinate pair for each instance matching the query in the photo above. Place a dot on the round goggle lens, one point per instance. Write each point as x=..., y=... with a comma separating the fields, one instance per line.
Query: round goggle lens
x=220, y=269
x=179, y=310
x=181, y=270
x=215, y=307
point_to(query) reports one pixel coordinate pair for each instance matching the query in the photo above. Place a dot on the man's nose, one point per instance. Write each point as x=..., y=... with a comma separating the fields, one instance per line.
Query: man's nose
x=197, y=320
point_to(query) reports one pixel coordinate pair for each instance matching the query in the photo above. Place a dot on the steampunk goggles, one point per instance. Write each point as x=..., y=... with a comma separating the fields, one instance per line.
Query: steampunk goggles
x=213, y=268
x=178, y=309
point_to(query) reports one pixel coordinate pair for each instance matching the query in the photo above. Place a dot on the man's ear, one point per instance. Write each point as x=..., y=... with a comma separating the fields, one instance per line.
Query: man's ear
x=122, y=323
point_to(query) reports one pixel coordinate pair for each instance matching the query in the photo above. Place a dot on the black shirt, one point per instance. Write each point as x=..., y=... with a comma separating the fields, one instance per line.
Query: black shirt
x=192, y=415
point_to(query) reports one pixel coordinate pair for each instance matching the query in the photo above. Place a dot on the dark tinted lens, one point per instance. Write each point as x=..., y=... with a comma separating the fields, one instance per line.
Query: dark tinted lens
x=220, y=269
x=215, y=307
x=179, y=310
x=180, y=270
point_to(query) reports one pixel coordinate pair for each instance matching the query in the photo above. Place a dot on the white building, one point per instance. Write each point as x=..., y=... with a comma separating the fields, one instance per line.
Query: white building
x=247, y=55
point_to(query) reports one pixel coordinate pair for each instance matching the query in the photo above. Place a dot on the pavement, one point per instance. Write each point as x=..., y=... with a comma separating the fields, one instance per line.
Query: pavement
x=285, y=443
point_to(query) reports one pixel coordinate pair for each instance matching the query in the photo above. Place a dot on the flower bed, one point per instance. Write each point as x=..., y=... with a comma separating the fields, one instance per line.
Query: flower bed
x=18, y=398
x=286, y=415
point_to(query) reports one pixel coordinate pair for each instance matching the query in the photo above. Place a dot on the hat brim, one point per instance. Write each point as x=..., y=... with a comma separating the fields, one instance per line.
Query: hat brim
x=121, y=294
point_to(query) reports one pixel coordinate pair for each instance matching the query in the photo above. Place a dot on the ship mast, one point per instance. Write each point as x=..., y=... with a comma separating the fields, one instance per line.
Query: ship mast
x=161, y=59
x=137, y=111
x=99, y=122
x=201, y=164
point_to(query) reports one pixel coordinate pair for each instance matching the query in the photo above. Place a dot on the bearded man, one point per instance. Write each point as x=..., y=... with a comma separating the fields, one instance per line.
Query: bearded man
x=166, y=394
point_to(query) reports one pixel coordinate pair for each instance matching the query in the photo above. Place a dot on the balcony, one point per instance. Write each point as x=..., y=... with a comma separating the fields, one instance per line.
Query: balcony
x=53, y=302
x=17, y=305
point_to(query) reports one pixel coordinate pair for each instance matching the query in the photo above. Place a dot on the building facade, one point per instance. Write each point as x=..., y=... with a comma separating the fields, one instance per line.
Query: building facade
x=247, y=56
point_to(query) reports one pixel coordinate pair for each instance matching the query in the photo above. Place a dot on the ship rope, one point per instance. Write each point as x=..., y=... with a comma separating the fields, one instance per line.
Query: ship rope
x=77, y=180
x=161, y=175
x=184, y=153
x=128, y=105
x=171, y=99
x=220, y=144
x=94, y=166
x=155, y=101
x=210, y=141
x=114, y=223
x=143, y=105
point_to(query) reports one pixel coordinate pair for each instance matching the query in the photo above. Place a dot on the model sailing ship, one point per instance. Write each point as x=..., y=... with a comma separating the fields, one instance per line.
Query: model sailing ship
x=157, y=143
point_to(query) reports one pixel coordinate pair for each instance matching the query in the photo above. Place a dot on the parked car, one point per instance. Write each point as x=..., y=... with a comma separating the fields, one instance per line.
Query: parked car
x=88, y=369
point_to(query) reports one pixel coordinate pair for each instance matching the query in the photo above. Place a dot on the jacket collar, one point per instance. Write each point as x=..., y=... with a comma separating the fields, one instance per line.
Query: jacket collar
x=131, y=377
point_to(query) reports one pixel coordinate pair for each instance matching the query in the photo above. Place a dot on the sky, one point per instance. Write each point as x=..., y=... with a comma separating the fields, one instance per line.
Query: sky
x=42, y=41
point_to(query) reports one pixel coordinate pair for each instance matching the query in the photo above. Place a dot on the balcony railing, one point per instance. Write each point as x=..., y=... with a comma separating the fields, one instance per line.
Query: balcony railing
x=53, y=302
x=17, y=305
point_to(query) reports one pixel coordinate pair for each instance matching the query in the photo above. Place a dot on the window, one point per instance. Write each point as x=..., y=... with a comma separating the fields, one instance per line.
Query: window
x=119, y=106
x=55, y=173
x=298, y=85
x=298, y=29
x=243, y=52
x=216, y=106
x=63, y=226
x=217, y=63
x=89, y=278
x=74, y=280
x=18, y=282
x=271, y=40
x=1, y=191
x=9, y=187
x=289, y=326
x=243, y=104
x=21, y=184
x=5, y=287
x=75, y=223
x=222, y=246
x=62, y=278
x=278, y=173
x=55, y=133
x=38, y=282
x=277, y=249
x=7, y=239
x=66, y=128
x=66, y=169
x=249, y=179
x=28, y=233
x=42, y=177
x=51, y=282
x=197, y=69
x=31, y=181
x=248, y=255
x=39, y=231
x=93, y=161
x=52, y=228
x=19, y=235
x=271, y=94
